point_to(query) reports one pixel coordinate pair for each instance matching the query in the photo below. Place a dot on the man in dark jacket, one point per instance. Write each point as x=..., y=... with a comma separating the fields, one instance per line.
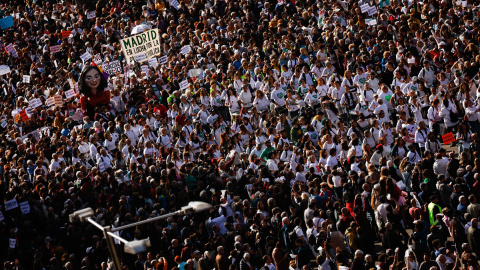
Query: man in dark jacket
x=458, y=231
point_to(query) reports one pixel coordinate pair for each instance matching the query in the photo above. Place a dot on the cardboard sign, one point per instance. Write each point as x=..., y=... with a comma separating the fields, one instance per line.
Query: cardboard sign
x=184, y=84
x=185, y=49
x=112, y=68
x=25, y=207
x=86, y=56
x=35, y=103
x=372, y=10
x=26, y=79
x=58, y=100
x=70, y=94
x=91, y=15
x=50, y=102
x=162, y=60
x=23, y=115
x=448, y=138
x=98, y=59
x=66, y=34
x=4, y=69
x=6, y=22
x=140, y=57
x=153, y=62
x=146, y=43
x=55, y=49
x=12, y=242
x=11, y=204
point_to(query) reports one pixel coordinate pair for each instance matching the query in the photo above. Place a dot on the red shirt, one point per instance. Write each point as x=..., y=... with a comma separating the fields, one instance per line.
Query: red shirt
x=95, y=100
x=180, y=119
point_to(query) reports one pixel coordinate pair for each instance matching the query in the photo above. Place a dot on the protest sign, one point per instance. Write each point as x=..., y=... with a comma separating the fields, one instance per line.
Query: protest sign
x=112, y=68
x=25, y=208
x=448, y=138
x=29, y=110
x=4, y=69
x=145, y=69
x=55, y=49
x=146, y=43
x=91, y=15
x=153, y=62
x=364, y=8
x=185, y=49
x=6, y=22
x=50, y=102
x=372, y=10
x=11, y=204
x=23, y=115
x=26, y=79
x=140, y=57
x=12, y=242
x=86, y=56
x=66, y=34
x=35, y=103
x=162, y=60
x=70, y=93
x=98, y=59
x=371, y=22
x=9, y=48
x=58, y=100
x=184, y=84
x=321, y=17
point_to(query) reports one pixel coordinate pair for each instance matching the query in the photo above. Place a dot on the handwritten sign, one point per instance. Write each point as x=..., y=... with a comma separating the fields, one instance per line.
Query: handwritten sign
x=140, y=57
x=25, y=207
x=55, y=49
x=91, y=15
x=58, y=100
x=86, y=56
x=184, y=84
x=162, y=60
x=70, y=82
x=185, y=49
x=11, y=204
x=448, y=138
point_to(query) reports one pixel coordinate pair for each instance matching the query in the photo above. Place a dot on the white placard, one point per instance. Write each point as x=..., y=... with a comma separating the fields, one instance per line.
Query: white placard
x=50, y=102
x=98, y=59
x=140, y=57
x=112, y=68
x=153, y=62
x=184, y=84
x=70, y=93
x=371, y=21
x=4, y=69
x=58, y=100
x=25, y=207
x=26, y=78
x=185, y=49
x=4, y=123
x=372, y=10
x=198, y=72
x=210, y=66
x=86, y=56
x=91, y=15
x=145, y=69
x=70, y=82
x=411, y=60
x=364, y=8
x=55, y=49
x=146, y=43
x=12, y=242
x=175, y=4
x=29, y=110
x=34, y=103
x=162, y=60
x=11, y=204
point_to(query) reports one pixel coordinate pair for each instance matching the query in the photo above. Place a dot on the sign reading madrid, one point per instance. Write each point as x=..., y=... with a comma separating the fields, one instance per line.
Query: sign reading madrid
x=146, y=42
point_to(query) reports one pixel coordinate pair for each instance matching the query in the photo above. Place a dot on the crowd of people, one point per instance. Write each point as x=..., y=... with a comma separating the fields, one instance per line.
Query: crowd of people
x=326, y=134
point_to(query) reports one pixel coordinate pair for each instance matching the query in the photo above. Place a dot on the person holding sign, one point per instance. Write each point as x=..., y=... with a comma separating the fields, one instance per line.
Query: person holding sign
x=92, y=88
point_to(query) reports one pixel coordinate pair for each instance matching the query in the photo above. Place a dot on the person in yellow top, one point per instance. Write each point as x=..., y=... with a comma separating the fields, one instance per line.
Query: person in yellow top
x=160, y=5
x=433, y=209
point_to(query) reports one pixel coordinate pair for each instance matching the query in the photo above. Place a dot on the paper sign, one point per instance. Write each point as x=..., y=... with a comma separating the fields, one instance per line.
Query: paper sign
x=76, y=87
x=184, y=84
x=23, y=115
x=4, y=69
x=145, y=69
x=55, y=49
x=58, y=100
x=86, y=56
x=12, y=242
x=372, y=10
x=70, y=82
x=11, y=204
x=175, y=4
x=70, y=93
x=17, y=118
x=50, y=102
x=112, y=68
x=4, y=124
x=9, y=48
x=448, y=138
x=153, y=62
x=411, y=60
x=29, y=110
x=26, y=78
x=464, y=3
x=146, y=43
x=162, y=60
x=66, y=34
x=198, y=72
x=98, y=59
x=6, y=22
x=185, y=49
x=140, y=57
x=364, y=8
x=91, y=15
x=371, y=21
x=34, y=103
x=25, y=207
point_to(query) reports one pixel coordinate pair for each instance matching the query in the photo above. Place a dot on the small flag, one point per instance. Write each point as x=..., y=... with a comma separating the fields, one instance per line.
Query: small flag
x=101, y=70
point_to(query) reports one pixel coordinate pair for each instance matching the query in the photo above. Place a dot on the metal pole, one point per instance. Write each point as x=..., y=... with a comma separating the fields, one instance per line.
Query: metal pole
x=112, y=249
x=146, y=221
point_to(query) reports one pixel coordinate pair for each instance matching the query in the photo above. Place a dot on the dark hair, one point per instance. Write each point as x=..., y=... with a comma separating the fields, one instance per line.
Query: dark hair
x=83, y=88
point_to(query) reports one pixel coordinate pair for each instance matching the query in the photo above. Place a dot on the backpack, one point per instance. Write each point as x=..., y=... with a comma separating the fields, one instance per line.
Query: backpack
x=292, y=236
x=453, y=117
